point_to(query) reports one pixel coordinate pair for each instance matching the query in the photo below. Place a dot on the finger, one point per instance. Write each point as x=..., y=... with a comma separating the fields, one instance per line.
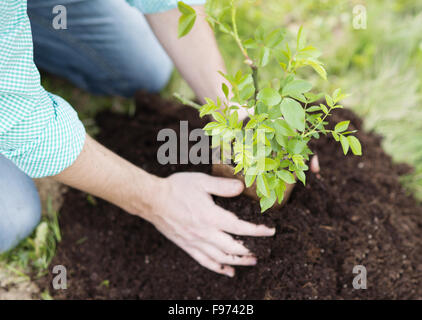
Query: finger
x=230, y=223
x=222, y=187
x=226, y=243
x=210, y=264
x=243, y=114
x=315, y=164
x=224, y=258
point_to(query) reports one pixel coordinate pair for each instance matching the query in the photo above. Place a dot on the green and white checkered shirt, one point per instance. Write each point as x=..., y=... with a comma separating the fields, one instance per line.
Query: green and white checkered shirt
x=40, y=132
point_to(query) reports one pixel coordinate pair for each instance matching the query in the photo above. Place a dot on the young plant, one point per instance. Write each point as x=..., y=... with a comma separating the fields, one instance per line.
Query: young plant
x=271, y=149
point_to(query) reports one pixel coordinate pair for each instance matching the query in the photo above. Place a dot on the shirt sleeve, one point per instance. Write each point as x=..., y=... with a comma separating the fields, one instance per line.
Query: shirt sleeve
x=39, y=132
x=46, y=141
x=155, y=6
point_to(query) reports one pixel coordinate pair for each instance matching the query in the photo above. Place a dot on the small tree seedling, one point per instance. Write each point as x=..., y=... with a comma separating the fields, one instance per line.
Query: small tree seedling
x=271, y=149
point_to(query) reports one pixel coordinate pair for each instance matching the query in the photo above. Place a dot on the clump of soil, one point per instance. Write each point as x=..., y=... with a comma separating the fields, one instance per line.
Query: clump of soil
x=355, y=213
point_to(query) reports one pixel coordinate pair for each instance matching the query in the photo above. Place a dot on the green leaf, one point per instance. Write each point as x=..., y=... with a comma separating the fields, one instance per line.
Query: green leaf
x=274, y=39
x=185, y=8
x=283, y=128
x=335, y=136
x=313, y=109
x=355, y=145
x=238, y=168
x=338, y=95
x=264, y=56
x=219, y=117
x=249, y=179
x=298, y=160
x=317, y=66
x=266, y=128
x=308, y=52
x=225, y=90
x=296, y=87
x=233, y=119
x=329, y=100
x=283, y=58
x=275, y=84
x=186, y=23
x=259, y=33
x=301, y=176
x=293, y=113
x=286, y=176
x=270, y=164
x=269, y=96
x=344, y=144
x=224, y=27
x=251, y=124
x=212, y=125
x=274, y=112
x=311, y=97
x=301, y=39
x=262, y=185
x=250, y=44
x=323, y=108
x=267, y=202
x=282, y=140
x=247, y=91
x=261, y=108
x=341, y=126
x=296, y=146
x=279, y=190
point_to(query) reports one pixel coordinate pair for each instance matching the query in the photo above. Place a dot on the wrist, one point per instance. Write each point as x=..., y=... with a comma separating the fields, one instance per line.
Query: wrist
x=145, y=195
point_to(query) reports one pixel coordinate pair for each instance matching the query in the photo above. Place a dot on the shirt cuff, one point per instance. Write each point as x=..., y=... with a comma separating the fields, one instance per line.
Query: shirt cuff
x=148, y=6
x=57, y=147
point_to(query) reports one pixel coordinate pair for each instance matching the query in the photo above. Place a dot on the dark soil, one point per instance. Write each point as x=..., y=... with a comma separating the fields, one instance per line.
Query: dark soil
x=355, y=213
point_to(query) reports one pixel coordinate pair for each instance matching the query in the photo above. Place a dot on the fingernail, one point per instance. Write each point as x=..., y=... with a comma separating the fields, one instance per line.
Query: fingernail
x=238, y=185
x=230, y=274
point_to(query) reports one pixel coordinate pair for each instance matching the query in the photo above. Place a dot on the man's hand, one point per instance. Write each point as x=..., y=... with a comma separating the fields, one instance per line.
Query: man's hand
x=186, y=214
x=180, y=206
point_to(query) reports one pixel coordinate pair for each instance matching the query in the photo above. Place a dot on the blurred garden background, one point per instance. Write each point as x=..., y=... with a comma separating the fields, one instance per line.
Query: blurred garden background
x=380, y=66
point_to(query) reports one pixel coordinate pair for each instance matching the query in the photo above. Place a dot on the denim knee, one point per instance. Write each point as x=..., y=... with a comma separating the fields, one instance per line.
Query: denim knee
x=20, y=207
x=107, y=48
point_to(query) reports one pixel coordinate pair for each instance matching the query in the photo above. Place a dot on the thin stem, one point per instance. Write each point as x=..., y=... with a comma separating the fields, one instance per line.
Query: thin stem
x=317, y=131
x=236, y=34
x=248, y=60
x=186, y=101
x=255, y=79
x=316, y=126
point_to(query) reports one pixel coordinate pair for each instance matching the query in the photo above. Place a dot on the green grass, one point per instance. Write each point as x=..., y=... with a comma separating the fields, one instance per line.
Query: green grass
x=31, y=258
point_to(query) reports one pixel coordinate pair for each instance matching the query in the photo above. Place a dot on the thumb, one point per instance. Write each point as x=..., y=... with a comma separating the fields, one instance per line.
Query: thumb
x=222, y=187
x=315, y=164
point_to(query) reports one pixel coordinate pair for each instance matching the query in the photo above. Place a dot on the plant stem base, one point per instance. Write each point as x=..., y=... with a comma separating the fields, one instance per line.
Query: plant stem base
x=227, y=171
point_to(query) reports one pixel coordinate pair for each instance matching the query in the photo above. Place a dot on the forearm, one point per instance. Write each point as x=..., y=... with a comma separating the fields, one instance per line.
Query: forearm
x=196, y=55
x=104, y=174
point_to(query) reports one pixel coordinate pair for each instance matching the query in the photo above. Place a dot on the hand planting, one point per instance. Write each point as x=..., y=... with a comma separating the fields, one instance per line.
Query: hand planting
x=271, y=149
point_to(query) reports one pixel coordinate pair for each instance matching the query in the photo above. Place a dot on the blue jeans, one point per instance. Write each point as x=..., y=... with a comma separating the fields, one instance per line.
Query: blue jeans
x=107, y=48
x=20, y=208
